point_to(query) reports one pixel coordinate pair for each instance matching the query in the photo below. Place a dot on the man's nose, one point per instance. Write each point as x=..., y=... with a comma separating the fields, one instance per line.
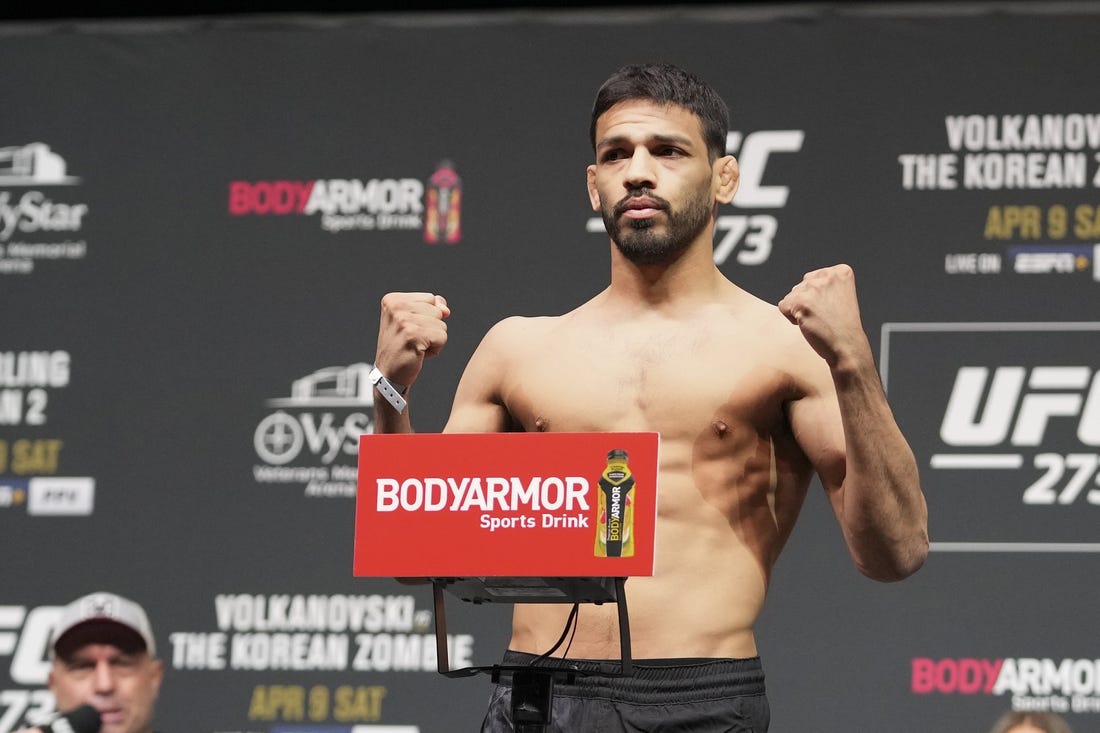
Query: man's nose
x=104, y=677
x=640, y=173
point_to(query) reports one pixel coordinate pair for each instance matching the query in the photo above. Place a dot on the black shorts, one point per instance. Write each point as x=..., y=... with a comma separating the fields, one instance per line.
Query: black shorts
x=663, y=695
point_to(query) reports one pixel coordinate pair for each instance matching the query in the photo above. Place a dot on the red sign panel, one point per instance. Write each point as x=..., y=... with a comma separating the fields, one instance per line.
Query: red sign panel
x=432, y=505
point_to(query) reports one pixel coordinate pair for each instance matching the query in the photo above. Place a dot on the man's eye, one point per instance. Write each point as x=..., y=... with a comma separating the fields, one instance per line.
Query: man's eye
x=613, y=155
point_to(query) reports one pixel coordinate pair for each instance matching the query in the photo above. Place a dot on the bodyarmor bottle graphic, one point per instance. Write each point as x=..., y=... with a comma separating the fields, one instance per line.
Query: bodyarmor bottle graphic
x=443, y=215
x=615, y=508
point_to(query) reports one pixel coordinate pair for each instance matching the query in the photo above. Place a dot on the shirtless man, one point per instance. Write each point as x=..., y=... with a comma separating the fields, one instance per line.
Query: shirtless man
x=750, y=400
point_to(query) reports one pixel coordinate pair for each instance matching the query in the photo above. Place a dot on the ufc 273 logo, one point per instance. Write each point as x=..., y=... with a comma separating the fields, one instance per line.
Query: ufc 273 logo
x=749, y=237
x=1012, y=407
x=24, y=639
x=998, y=410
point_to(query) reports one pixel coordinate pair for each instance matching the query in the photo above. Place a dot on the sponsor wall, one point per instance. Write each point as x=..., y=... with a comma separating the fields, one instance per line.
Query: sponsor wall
x=199, y=217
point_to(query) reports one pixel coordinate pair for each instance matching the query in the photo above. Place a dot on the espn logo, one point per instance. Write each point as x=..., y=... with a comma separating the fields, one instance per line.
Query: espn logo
x=1047, y=260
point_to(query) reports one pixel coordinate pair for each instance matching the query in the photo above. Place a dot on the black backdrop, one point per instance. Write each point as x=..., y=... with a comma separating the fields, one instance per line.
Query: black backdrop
x=181, y=335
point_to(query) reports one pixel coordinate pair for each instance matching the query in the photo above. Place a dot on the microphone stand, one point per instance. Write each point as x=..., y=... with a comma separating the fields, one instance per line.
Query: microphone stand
x=532, y=687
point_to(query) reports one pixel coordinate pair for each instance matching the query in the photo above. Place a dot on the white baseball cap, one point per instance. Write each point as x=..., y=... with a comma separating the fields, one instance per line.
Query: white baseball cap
x=103, y=618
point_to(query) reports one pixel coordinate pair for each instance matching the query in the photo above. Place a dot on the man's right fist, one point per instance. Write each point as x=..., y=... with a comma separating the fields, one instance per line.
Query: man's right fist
x=411, y=328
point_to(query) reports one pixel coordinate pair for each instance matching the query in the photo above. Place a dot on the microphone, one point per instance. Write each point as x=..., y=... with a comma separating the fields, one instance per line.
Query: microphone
x=84, y=719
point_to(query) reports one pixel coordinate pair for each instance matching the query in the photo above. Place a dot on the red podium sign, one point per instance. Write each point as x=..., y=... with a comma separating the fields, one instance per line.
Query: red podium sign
x=433, y=505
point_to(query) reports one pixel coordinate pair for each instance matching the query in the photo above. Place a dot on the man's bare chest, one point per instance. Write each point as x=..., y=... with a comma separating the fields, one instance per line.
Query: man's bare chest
x=672, y=383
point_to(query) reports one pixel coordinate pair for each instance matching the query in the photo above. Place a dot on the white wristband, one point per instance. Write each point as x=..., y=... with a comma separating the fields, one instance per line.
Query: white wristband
x=392, y=392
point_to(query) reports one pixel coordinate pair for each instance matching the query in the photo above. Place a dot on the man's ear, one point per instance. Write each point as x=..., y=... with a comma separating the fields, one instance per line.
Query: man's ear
x=157, y=676
x=593, y=194
x=728, y=174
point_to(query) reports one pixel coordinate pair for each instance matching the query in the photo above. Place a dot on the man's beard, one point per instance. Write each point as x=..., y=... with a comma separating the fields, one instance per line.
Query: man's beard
x=638, y=241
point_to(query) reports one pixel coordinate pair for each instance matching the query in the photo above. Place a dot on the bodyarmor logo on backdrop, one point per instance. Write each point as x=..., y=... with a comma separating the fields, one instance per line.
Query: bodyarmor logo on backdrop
x=1056, y=157
x=304, y=440
x=443, y=222
x=749, y=238
x=376, y=204
x=1005, y=419
x=1058, y=685
x=33, y=225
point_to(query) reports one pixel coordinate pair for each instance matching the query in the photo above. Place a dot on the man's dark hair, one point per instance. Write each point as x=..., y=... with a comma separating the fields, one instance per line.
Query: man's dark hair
x=667, y=84
x=1045, y=721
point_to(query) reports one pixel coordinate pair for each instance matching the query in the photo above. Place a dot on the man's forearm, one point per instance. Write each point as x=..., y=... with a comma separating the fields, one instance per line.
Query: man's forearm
x=883, y=510
x=389, y=420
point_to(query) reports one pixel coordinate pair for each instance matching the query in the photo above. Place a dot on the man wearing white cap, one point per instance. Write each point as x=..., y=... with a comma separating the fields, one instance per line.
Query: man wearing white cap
x=104, y=655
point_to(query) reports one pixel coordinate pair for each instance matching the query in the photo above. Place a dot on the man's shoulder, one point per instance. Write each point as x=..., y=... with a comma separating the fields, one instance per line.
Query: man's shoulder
x=512, y=327
x=513, y=334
